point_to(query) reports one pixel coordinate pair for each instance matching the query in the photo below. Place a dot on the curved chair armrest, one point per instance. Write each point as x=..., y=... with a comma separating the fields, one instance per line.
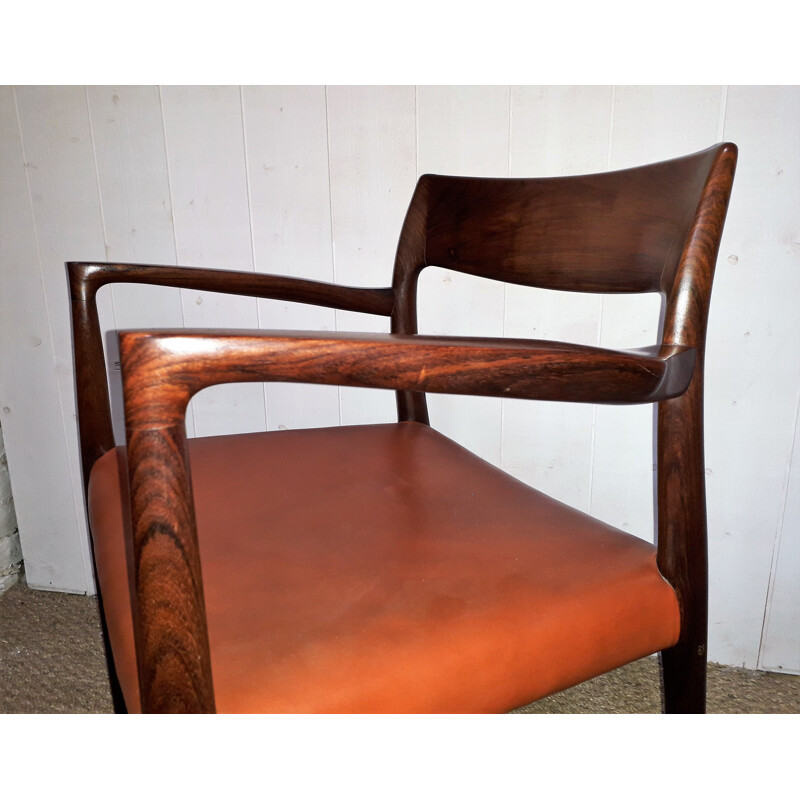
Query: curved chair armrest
x=85, y=278
x=172, y=363
x=162, y=370
x=91, y=276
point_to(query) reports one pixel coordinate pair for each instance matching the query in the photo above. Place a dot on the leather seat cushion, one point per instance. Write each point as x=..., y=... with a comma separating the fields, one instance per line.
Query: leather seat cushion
x=384, y=568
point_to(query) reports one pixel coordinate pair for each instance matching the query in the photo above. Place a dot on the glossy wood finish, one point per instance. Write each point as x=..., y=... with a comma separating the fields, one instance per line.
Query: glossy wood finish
x=682, y=536
x=620, y=231
x=86, y=278
x=170, y=623
x=192, y=360
x=92, y=393
x=162, y=371
x=654, y=228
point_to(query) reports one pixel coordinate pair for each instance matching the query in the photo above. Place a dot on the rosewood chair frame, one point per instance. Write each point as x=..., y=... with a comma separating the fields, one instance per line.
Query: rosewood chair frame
x=654, y=228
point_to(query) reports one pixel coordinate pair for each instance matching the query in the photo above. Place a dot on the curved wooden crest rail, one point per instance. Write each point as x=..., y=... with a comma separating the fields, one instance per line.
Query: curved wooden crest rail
x=655, y=228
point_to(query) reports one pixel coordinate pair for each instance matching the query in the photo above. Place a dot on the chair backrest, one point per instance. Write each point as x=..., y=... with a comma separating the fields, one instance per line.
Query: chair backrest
x=654, y=228
x=623, y=231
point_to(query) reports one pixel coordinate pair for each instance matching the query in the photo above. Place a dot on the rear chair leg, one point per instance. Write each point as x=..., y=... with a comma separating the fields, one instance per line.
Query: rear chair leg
x=682, y=546
x=683, y=678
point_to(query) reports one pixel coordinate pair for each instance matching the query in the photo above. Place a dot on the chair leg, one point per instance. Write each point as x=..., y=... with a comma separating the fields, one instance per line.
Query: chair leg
x=682, y=546
x=683, y=678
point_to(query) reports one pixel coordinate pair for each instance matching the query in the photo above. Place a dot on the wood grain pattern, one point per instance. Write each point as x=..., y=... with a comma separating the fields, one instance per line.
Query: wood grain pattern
x=194, y=360
x=170, y=624
x=682, y=538
x=524, y=220
x=161, y=372
x=94, y=410
x=563, y=233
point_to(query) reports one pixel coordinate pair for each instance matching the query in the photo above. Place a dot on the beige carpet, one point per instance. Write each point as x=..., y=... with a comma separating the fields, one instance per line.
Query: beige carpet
x=51, y=661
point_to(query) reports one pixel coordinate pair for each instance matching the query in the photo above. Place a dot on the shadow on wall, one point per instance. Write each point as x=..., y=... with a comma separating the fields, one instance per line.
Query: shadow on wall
x=10, y=551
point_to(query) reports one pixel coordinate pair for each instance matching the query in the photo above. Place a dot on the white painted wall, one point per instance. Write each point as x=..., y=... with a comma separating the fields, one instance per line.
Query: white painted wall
x=314, y=182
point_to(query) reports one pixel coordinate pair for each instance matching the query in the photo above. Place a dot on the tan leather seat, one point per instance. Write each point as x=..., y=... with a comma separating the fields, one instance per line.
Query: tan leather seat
x=372, y=578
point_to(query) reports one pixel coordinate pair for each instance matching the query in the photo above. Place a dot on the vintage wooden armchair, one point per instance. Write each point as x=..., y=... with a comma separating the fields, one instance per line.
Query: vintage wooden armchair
x=384, y=568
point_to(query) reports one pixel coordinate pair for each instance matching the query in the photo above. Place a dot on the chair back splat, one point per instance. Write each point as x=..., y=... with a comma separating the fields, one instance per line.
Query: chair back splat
x=383, y=568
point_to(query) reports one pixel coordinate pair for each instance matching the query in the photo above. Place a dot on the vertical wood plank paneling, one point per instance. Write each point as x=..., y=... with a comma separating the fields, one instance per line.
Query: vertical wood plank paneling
x=57, y=144
x=464, y=130
x=30, y=407
x=287, y=159
x=137, y=210
x=205, y=154
x=753, y=372
x=559, y=130
x=649, y=124
x=652, y=123
x=372, y=174
x=555, y=130
x=780, y=649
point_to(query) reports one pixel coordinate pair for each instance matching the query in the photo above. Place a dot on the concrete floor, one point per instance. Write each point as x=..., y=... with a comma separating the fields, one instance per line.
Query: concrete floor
x=51, y=661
